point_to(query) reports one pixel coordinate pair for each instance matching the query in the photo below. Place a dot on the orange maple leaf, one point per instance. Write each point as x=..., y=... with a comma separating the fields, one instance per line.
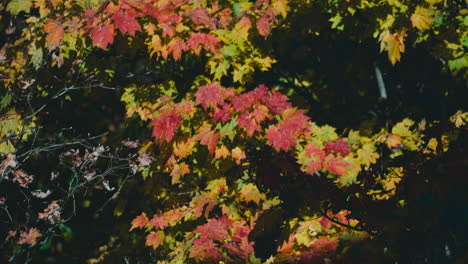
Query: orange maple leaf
x=139, y=221
x=54, y=33
x=155, y=239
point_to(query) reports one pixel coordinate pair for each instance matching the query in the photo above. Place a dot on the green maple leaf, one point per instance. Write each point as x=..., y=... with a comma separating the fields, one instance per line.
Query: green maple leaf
x=16, y=6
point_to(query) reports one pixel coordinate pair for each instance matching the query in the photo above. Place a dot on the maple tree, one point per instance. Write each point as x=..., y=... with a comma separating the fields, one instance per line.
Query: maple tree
x=217, y=116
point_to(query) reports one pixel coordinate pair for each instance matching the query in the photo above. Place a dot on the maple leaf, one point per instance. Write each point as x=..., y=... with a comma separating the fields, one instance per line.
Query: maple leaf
x=367, y=154
x=222, y=152
x=238, y=155
x=393, y=44
x=263, y=26
x=393, y=141
x=248, y=123
x=283, y=136
x=184, y=149
x=102, y=35
x=288, y=245
x=215, y=229
x=176, y=46
x=250, y=192
x=422, y=18
x=205, y=249
x=212, y=95
x=199, y=202
x=340, y=146
x=178, y=171
x=208, y=138
x=126, y=23
x=280, y=139
x=29, y=237
x=277, y=102
x=208, y=41
x=159, y=222
x=139, y=221
x=165, y=124
x=312, y=158
x=155, y=239
x=16, y=6
x=199, y=16
x=335, y=164
x=54, y=33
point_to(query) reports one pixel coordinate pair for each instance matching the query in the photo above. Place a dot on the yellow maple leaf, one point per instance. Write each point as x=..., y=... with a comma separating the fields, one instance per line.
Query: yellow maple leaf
x=250, y=192
x=459, y=118
x=422, y=18
x=222, y=152
x=393, y=43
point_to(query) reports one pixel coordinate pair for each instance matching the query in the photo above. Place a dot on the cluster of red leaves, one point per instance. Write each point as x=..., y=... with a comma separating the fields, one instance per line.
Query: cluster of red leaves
x=175, y=26
x=219, y=234
x=250, y=110
x=315, y=158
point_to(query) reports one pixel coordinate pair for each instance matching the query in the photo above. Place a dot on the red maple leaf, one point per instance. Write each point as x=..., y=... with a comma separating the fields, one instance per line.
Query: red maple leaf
x=212, y=95
x=339, y=146
x=263, y=26
x=277, y=102
x=165, y=124
x=126, y=23
x=139, y=221
x=102, y=35
x=159, y=222
x=215, y=229
x=280, y=139
x=199, y=203
x=54, y=33
x=176, y=46
x=199, y=16
x=206, y=40
x=335, y=164
x=284, y=135
x=205, y=249
x=210, y=139
x=154, y=240
x=314, y=157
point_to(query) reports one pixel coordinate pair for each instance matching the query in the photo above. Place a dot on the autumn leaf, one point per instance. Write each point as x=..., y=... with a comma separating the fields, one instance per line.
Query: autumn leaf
x=178, y=171
x=199, y=16
x=165, y=124
x=335, y=165
x=215, y=229
x=340, y=146
x=199, y=202
x=102, y=35
x=205, y=249
x=155, y=239
x=126, y=23
x=54, y=33
x=212, y=95
x=393, y=44
x=208, y=138
x=184, y=149
x=311, y=158
x=263, y=26
x=250, y=192
x=422, y=18
x=222, y=152
x=29, y=237
x=139, y=221
x=176, y=46
x=159, y=222
x=16, y=6
x=238, y=155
